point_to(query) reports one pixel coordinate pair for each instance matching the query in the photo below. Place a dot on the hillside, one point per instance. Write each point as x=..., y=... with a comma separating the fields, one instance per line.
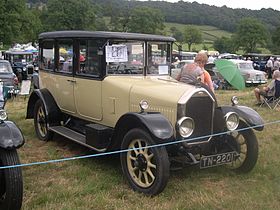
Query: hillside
x=194, y=13
x=209, y=33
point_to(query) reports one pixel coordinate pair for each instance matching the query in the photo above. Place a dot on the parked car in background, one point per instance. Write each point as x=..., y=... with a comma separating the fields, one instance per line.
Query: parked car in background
x=21, y=62
x=217, y=78
x=7, y=75
x=107, y=102
x=251, y=76
x=259, y=60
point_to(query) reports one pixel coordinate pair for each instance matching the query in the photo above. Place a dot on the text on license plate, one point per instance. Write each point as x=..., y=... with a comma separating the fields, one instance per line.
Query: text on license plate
x=216, y=160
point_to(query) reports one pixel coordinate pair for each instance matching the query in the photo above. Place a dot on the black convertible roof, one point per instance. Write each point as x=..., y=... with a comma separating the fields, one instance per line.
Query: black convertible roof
x=104, y=34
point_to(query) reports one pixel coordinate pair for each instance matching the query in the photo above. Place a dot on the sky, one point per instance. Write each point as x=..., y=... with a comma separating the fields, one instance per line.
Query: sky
x=248, y=4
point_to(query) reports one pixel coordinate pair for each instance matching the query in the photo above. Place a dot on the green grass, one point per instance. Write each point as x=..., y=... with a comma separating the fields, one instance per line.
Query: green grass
x=209, y=33
x=97, y=183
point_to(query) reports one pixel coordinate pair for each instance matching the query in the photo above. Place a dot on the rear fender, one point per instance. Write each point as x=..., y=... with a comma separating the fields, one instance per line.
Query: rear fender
x=250, y=116
x=10, y=136
x=53, y=112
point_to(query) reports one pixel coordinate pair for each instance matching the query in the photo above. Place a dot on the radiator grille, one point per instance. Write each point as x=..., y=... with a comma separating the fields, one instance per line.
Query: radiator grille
x=200, y=108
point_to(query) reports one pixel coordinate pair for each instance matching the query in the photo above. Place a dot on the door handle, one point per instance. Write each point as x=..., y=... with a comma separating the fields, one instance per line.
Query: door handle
x=73, y=81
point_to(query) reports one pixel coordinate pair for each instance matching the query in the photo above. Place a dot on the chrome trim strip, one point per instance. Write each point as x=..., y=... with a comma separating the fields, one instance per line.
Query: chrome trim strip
x=187, y=95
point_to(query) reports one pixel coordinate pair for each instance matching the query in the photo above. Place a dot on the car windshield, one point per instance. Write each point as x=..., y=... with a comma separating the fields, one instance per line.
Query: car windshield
x=5, y=68
x=245, y=66
x=128, y=57
x=22, y=58
x=125, y=57
x=158, y=58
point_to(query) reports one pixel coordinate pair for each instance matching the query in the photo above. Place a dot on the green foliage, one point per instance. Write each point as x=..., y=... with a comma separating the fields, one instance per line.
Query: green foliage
x=275, y=46
x=225, y=44
x=192, y=35
x=17, y=23
x=70, y=15
x=250, y=33
x=146, y=20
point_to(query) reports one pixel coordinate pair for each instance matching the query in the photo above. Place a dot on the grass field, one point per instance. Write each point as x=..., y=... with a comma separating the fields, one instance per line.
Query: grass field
x=97, y=183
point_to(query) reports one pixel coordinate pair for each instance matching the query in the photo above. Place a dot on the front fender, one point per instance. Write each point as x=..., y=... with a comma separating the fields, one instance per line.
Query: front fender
x=251, y=117
x=156, y=124
x=10, y=136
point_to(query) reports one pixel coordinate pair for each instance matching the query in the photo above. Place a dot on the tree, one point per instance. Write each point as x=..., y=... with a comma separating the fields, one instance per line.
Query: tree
x=275, y=45
x=192, y=35
x=225, y=44
x=17, y=23
x=146, y=20
x=177, y=34
x=71, y=15
x=250, y=33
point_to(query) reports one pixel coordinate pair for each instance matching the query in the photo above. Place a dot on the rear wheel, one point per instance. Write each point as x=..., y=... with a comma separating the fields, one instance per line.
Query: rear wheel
x=146, y=169
x=41, y=122
x=11, y=186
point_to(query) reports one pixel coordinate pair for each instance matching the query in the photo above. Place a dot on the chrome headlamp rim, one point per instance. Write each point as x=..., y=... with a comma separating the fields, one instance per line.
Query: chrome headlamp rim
x=179, y=124
x=228, y=117
x=3, y=115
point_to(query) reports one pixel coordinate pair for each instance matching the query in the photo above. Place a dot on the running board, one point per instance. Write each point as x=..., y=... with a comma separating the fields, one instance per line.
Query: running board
x=74, y=136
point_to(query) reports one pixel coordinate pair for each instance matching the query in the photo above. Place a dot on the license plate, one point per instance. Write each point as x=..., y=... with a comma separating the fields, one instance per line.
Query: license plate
x=216, y=160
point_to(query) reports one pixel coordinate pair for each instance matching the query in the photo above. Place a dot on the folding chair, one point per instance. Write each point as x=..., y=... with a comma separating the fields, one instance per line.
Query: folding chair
x=273, y=101
x=276, y=101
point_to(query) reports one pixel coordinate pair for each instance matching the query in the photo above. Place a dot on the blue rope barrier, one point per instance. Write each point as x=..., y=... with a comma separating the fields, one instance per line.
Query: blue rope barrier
x=127, y=150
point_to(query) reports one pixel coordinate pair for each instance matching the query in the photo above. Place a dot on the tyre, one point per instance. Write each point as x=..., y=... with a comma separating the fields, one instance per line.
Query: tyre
x=41, y=122
x=11, y=186
x=147, y=169
x=247, y=148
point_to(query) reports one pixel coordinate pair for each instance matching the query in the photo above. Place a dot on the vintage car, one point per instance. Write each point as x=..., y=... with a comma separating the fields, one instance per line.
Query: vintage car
x=11, y=181
x=251, y=76
x=6, y=74
x=108, y=101
x=22, y=63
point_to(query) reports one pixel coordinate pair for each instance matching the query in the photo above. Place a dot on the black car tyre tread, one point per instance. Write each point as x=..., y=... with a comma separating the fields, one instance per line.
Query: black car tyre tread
x=159, y=157
x=47, y=134
x=11, y=181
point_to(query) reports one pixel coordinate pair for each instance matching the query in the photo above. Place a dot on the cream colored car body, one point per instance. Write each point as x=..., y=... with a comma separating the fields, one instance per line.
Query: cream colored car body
x=107, y=100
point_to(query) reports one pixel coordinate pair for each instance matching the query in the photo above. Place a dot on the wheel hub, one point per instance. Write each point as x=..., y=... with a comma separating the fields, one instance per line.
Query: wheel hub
x=141, y=162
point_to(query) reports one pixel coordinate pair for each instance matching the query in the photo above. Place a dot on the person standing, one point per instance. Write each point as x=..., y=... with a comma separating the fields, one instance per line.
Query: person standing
x=269, y=67
x=276, y=64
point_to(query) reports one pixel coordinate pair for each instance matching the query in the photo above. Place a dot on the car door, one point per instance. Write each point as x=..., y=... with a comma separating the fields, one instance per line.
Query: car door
x=63, y=80
x=87, y=87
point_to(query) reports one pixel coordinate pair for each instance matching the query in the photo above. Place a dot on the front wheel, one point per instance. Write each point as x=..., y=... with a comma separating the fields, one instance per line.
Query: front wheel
x=11, y=186
x=146, y=169
x=247, y=148
x=41, y=123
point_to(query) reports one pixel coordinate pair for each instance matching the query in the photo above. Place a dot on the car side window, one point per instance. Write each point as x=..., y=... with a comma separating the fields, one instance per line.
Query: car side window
x=47, y=55
x=65, y=56
x=88, y=58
